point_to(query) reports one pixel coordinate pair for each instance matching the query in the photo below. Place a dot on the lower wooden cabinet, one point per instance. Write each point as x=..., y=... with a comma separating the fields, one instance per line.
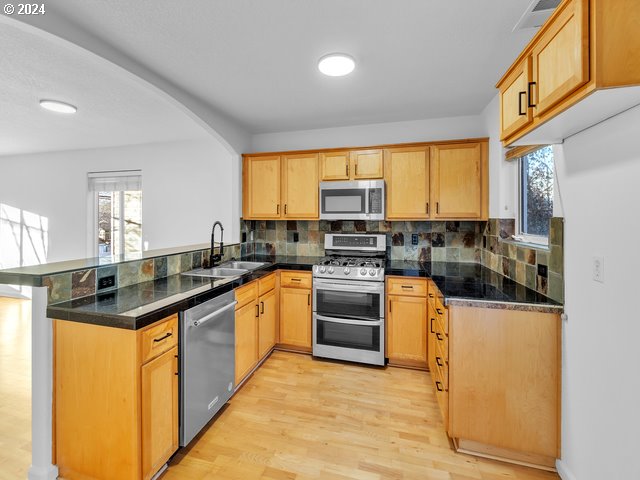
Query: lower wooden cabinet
x=115, y=399
x=159, y=411
x=295, y=310
x=267, y=323
x=246, y=340
x=407, y=322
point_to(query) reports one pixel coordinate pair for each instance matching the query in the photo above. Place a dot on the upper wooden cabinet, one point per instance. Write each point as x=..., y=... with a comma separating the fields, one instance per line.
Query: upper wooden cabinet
x=300, y=186
x=261, y=187
x=562, y=81
x=407, y=177
x=275, y=186
x=457, y=187
x=351, y=165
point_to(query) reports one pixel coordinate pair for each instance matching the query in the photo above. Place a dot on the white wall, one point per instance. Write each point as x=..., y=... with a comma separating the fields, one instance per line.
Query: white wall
x=374, y=134
x=186, y=187
x=599, y=175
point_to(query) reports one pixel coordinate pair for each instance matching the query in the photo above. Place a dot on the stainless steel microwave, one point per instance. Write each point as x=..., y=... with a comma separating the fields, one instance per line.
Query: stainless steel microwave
x=357, y=200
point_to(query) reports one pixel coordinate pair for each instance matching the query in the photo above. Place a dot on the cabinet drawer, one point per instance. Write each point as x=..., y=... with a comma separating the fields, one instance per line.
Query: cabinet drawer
x=266, y=284
x=246, y=294
x=295, y=279
x=406, y=286
x=442, y=314
x=442, y=343
x=158, y=338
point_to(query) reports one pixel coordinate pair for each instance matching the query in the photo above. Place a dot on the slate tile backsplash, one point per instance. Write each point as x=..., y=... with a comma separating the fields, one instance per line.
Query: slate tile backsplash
x=443, y=241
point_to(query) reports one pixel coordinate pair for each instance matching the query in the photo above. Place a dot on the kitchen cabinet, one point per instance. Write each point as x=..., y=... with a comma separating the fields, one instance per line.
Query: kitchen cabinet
x=115, y=399
x=300, y=186
x=407, y=322
x=504, y=385
x=576, y=71
x=256, y=324
x=407, y=182
x=352, y=165
x=458, y=186
x=261, y=177
x=295, y=310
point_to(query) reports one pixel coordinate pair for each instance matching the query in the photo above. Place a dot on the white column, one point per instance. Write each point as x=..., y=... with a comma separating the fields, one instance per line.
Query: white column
x=41, y=388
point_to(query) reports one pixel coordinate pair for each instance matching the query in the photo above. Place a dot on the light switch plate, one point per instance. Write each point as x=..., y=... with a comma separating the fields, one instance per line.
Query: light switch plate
x=598, y=269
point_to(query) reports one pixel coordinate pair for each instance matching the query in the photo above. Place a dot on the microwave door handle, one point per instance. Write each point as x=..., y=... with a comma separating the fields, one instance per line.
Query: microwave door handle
x=366, y=201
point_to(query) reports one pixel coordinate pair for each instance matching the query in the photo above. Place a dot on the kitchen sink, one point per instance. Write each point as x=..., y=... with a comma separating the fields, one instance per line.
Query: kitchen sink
x=217, y=272
x=243, y=265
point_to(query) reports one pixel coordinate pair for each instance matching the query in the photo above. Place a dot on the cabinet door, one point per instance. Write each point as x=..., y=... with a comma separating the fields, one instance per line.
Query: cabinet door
x=456, y=181
x=407, y=177
x=561, y=55
x=159, y=411
x=367, y=164
x=300, y=186
x=246, y=340
x=431, y=337
x=295, y=317
x=407, y=331
x=515, y=98
x=261, y=187
x=267, y=323
x=334, y=166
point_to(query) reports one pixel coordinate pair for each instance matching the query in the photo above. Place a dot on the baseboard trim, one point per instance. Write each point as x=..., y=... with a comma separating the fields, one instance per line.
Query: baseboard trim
x=563, y=471
x=43, y=473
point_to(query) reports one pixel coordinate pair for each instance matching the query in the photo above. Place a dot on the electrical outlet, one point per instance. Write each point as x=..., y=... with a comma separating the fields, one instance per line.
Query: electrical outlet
x=598, y=269
x=414, y=239
x=106, y=282
x=543, y=270
x=296, y=237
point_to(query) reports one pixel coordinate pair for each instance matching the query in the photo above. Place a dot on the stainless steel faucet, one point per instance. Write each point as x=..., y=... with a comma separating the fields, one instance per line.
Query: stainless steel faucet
x=217, y=257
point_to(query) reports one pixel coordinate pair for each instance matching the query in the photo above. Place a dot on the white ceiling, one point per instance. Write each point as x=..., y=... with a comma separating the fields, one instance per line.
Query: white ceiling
x=254, y=61
x=113, y=108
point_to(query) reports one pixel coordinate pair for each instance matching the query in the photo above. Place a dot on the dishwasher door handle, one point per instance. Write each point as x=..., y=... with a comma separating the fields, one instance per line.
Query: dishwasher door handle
x=206, y=318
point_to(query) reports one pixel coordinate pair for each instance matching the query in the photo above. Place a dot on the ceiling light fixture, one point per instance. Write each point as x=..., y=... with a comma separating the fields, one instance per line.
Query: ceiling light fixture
x=59, y=107
x=336, y=64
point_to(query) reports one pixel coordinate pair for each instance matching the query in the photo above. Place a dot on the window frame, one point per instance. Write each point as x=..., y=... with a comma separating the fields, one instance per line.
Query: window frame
x=520, y=236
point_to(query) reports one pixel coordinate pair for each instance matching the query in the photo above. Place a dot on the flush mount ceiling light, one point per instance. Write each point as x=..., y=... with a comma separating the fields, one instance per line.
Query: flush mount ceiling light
x=59, y=107
x=336, y=64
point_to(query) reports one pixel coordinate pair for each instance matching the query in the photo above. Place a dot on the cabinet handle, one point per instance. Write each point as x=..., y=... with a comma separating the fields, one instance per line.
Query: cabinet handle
x=520, y=112
x=390, y=306
x=356, y=172
x=285, y=208
x=431, y=327
x=308, y=299
x=164, y=337
x=437, y=208
x=440, y=337
x=278, y=209
x=530, y=94
x=347, y=168
x=431, y=295
x=440, y=312
x=261, y=307
x=439, y=386
x=439, y=362
x=427, y=204
x=176, y=373
x=257, y=310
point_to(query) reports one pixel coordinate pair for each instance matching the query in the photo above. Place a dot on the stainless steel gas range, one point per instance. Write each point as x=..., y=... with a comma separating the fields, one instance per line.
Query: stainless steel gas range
x=348, y=292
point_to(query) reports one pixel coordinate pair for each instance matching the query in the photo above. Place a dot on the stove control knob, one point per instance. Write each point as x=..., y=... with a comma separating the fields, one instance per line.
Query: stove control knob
x=363, y=271
x=372, y=272
x=347, y=270
x=323, y=269
x=330, y=270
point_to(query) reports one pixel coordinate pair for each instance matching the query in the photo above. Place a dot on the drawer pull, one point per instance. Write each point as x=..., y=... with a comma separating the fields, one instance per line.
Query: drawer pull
x=296, y=279
x=440, y=337
x=431, y=295
x=164, y=337
x=440, y=312
x=408, y=287
x=439, y=387
x=432, y=331
x=439, y=362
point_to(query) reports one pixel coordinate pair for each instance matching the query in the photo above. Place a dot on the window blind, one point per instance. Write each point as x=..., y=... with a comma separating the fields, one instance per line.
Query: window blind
x=124, y=180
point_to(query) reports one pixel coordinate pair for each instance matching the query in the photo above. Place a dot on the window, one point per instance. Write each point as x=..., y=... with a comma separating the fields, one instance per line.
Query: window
x=536, y=195
x=117, y=219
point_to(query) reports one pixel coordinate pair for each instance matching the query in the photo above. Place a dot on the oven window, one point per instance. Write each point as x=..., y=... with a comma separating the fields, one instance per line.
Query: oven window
x=336, y=303
x=343, y=201
x=359, y=337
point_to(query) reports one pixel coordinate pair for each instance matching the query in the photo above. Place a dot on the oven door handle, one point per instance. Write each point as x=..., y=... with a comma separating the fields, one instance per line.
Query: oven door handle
x=367, y=323
x=343, y=287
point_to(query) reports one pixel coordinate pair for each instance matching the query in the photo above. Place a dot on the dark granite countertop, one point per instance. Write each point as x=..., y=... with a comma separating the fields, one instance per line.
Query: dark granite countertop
x=139, y=305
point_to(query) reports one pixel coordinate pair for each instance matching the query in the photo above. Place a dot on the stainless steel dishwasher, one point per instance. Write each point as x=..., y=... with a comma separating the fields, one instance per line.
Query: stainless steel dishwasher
x=207, y=362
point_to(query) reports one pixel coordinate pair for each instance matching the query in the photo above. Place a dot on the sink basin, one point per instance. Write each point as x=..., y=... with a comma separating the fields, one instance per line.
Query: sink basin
x=243, y=265
x=217, y=272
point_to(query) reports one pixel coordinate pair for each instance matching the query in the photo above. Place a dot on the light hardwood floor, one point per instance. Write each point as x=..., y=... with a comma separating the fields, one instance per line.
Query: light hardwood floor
x=299, y=418
x=15, y=388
